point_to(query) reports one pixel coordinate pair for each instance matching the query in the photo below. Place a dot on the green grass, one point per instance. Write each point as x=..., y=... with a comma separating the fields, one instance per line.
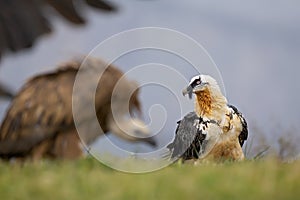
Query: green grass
x=88, y=179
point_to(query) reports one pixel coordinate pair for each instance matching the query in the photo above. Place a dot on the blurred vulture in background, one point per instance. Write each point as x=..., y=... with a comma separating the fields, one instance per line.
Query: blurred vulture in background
x=40, y=123
x=22, y=22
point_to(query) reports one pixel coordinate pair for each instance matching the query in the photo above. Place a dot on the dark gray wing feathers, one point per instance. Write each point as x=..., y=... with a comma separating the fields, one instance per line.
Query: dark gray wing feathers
x=244, y=134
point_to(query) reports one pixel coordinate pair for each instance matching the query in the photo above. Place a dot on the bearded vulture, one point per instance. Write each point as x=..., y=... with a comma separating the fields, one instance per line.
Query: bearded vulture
x=214, y=131
x=39, y=123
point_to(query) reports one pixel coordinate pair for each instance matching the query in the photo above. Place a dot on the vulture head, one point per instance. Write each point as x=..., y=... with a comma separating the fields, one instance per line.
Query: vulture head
x=209, y=98
x=201, y=83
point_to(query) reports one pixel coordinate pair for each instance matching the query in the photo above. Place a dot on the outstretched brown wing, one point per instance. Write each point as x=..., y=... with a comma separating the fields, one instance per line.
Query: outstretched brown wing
x=22, y=22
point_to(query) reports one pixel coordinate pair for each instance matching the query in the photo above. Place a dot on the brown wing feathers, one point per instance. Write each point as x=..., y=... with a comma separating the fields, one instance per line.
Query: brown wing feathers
x=22, y=22
x=40, y=116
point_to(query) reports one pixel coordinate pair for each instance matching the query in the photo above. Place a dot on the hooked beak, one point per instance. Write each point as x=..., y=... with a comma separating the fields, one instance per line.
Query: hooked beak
x=188, y=90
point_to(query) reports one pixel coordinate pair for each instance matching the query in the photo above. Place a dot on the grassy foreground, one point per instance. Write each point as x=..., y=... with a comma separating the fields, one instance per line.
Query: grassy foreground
x=88, y=179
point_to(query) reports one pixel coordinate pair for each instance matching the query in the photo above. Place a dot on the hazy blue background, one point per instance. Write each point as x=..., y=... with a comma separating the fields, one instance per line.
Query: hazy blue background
x=255, y=44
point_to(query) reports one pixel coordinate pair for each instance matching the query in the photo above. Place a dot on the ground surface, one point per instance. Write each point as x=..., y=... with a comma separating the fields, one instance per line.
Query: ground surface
x=88, y=179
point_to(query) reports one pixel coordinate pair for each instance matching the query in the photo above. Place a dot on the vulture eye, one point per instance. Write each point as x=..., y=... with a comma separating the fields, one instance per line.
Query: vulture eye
x=198, y=82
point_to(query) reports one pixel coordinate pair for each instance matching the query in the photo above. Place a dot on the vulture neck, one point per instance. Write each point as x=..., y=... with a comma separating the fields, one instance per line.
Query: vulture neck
x=210, y=103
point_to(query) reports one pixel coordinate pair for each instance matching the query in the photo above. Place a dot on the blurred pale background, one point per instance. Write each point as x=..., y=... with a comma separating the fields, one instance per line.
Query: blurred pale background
x=255, y=44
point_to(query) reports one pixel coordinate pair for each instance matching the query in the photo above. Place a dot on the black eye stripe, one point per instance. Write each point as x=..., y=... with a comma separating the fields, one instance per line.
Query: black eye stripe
x=196, y=82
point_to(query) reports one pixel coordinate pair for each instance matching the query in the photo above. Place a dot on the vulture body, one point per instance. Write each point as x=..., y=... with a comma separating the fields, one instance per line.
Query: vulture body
x=214, y=131
x=39, y=122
